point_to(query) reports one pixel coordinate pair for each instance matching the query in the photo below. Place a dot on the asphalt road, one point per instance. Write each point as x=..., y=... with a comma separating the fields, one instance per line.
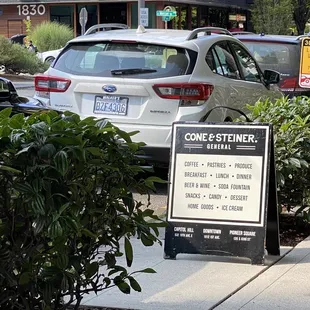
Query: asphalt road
x=158, y=199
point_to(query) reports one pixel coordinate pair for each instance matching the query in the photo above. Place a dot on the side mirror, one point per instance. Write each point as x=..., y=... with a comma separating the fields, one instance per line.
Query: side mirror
x=7, y=90
x=271, y=77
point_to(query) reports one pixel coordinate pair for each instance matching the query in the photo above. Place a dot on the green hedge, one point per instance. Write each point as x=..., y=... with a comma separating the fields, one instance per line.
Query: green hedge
x=66, y=206
x=290, y=120
x=17, y=59
x=50, y=36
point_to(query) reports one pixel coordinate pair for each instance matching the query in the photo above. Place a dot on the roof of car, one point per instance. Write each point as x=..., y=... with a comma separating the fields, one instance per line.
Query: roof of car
x=269, y=38
x=171, y=36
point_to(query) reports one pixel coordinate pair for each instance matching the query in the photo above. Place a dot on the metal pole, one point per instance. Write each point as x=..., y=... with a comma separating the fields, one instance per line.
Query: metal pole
x=141, y=5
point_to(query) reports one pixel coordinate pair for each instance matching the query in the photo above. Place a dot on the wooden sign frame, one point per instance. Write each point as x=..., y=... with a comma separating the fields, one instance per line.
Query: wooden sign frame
x=222, y=196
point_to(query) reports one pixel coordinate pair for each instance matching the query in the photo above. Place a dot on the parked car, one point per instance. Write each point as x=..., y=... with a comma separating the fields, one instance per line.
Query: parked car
x=49, y=56
x=280, y=53
x=9, y=98
x=18, y=38
x=146, y=79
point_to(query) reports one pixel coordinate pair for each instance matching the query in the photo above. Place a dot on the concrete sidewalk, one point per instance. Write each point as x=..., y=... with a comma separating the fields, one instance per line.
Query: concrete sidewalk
x=213, y=282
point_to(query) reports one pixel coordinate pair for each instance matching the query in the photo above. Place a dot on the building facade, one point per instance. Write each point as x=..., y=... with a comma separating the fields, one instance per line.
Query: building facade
x=231, y=14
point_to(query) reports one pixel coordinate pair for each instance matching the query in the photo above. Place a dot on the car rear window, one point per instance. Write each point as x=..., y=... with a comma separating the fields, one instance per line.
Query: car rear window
x=282, y=57
x=101, y=59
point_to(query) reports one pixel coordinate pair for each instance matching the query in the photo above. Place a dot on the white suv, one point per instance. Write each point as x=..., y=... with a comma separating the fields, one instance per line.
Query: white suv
x=146, y=79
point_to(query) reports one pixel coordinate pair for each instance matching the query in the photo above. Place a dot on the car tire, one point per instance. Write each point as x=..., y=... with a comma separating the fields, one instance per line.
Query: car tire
x=49, y=59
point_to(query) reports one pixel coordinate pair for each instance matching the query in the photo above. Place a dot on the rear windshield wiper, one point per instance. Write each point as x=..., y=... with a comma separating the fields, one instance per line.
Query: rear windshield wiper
x=132, y=71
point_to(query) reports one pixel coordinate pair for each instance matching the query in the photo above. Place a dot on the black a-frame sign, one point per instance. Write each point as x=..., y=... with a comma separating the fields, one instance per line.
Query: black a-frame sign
x=222, y=195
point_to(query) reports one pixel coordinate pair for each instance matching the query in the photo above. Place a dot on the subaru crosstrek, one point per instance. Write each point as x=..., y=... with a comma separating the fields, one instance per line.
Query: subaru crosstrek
x=146, y=79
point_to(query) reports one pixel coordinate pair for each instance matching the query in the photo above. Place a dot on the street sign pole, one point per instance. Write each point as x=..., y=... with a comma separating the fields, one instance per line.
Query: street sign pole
x=141, y=5
x=83, y=19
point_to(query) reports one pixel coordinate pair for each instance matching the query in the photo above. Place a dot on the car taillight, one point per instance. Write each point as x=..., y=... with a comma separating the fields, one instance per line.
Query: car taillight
x=184, y=91
x=289, y=84
x=45, y=83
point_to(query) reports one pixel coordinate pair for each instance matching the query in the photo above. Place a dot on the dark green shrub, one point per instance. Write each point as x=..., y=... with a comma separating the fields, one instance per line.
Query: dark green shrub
x=65, y=203
x=17, y=59
x=51, y=36
x=290, y=120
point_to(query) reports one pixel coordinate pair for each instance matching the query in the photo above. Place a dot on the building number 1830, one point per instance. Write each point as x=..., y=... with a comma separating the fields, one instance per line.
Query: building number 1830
x=32, y=9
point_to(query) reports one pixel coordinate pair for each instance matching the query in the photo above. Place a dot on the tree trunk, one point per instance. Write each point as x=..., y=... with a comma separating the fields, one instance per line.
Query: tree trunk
x=301, y=16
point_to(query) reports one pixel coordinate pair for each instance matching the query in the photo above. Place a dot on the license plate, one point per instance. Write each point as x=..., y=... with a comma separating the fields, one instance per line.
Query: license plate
x=111, y=105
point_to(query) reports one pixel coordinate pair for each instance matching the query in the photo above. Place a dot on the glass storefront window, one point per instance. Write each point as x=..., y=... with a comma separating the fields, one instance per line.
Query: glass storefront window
x=152, y=15
x=92, y=18
x=218, y=17
x=62, y=14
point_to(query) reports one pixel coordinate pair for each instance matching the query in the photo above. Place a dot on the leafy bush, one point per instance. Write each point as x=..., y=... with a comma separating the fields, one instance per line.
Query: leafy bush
x=17, y=58
x=290, y=120
x=65, y=203
x=51, y=36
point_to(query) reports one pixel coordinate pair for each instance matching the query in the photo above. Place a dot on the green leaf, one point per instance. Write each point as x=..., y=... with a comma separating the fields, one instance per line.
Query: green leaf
x=47, y=151
x=17, y=121
x=5, y=131
x=24, y=278
x=38, y=204
x=146, y=270
x=62, y=260
x=38, y=225
x=47, y=291
x=24, y=188
x=128, y=252
x=88, y=233
x=55, y=230
x=134, y=284
x=123, y=287
x=146, y=241
x=67, y=140
x=304, y=163
x=61, y=162
x=280, y=179
x=294, y=162
x=124, y=135
x=9, y=169
x=94, y=151
x=148, y=212
x=91, y=270
x=5, y=113
x=156, y=180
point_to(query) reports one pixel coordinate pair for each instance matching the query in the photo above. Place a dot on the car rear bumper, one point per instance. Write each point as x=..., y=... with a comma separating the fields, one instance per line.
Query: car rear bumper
x=292, y=94
x=157, y=156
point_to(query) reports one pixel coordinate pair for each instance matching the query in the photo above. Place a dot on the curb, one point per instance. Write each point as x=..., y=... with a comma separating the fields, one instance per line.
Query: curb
x=15, y=77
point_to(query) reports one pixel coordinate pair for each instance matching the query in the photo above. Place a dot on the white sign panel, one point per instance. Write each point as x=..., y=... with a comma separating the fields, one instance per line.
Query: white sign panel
x=218, y=174
x=144, y=17
x=217, y=186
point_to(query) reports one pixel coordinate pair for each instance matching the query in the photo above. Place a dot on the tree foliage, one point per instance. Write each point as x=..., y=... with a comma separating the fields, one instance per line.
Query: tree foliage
x=301, y=14
x=272, y=16
x=66, y=206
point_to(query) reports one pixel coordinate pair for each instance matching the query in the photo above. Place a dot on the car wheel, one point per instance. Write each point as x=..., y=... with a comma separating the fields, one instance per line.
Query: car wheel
x=49, y=60
x=228, y=119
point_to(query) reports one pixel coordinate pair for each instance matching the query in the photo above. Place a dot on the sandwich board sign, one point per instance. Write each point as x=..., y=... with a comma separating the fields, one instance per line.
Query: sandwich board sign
x=304, y=72
x=222, y=195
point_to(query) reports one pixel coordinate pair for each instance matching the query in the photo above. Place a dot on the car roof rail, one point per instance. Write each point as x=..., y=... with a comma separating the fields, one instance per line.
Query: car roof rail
x=302, y=36
x=103, y=27
x=207, y=31
x=234, y=33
